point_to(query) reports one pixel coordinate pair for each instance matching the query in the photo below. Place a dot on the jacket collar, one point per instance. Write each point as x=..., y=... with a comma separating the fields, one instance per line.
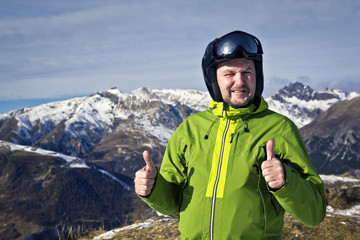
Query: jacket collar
x=230, y=112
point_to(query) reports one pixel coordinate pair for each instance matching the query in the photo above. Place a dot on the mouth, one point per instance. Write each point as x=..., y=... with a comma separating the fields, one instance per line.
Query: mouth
x=240, y=91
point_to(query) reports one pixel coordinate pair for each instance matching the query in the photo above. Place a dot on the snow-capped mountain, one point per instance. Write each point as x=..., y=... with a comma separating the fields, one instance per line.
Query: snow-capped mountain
x=76, y=126
x=302, y=104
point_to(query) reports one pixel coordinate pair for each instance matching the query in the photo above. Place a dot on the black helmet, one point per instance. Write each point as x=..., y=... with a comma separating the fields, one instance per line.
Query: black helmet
x=233, y=45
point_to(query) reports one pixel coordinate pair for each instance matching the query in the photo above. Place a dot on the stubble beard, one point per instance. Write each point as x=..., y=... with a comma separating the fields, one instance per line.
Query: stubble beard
x=239, y=102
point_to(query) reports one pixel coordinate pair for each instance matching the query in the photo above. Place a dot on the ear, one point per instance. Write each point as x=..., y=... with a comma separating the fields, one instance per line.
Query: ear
x=215, y=86
x=259, y=79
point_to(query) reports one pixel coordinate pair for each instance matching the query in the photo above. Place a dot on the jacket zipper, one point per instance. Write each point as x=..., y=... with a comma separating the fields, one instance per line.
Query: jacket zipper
x=212, y=216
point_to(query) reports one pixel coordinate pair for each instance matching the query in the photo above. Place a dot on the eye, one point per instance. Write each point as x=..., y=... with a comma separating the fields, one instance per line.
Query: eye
x=229, y=74
x=248, y=73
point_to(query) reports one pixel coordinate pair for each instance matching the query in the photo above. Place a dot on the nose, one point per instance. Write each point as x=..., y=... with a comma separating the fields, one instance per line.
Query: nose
x=239, y=79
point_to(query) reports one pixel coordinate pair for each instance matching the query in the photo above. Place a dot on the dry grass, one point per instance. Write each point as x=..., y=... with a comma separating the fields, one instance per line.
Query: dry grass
x=333, y=227
x=68, y=232
x=161, y=228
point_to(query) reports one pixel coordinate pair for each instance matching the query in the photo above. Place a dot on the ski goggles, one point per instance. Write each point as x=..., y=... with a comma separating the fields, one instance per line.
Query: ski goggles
x=236, y=44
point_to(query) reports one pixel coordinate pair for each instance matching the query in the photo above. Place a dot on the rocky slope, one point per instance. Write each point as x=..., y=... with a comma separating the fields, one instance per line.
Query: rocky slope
x=333, y=139
x=42, y=189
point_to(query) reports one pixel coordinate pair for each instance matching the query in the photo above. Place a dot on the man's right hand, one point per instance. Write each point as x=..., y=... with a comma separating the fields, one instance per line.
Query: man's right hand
x=145, y=177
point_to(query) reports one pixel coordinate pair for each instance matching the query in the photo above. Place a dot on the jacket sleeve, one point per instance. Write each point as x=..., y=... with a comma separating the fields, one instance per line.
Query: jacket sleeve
x=165, y=195
x=303, y=195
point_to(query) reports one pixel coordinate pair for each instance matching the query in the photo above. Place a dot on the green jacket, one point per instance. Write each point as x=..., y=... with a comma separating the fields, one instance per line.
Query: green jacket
x=211, y=176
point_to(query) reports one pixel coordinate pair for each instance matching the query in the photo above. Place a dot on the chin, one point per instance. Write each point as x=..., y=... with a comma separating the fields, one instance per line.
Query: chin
x=240, y=104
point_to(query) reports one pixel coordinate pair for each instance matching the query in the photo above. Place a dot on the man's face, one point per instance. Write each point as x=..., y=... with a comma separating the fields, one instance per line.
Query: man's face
x=237, y=81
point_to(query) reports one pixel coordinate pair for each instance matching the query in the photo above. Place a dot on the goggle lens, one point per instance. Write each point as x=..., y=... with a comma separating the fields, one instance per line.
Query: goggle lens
x=231, y=43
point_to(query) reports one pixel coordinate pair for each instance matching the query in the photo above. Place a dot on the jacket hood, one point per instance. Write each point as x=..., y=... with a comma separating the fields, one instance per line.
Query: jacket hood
x=230, y=112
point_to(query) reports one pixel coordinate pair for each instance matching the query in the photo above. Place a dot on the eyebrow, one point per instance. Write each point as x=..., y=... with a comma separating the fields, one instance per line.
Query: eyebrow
x=246, y=69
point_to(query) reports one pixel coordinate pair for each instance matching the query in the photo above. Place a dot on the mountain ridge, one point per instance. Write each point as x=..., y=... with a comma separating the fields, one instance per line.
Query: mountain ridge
x=76, y=126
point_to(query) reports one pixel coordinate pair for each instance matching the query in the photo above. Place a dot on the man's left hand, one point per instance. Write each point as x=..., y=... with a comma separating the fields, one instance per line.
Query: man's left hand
x=272, y=168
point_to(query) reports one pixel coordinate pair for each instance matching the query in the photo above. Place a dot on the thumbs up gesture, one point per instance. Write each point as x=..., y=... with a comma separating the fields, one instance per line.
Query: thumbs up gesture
x=272, y=168
x=145, y=177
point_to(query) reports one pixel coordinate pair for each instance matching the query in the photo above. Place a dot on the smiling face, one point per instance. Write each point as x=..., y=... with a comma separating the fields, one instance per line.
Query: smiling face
x=237, y=81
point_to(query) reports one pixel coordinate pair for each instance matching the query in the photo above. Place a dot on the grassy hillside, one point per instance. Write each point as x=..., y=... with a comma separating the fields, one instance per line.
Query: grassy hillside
x=333, y=227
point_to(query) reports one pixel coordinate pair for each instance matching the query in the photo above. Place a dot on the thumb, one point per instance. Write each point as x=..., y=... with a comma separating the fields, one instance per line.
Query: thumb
x=270, y=149
x=150, y=166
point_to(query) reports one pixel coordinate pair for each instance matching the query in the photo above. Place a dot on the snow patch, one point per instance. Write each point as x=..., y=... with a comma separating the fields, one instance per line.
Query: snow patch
x=122, y=183
x=72, y=162
x=192, y=98
x=351, y=212
x=138, y=226
x=330, y=179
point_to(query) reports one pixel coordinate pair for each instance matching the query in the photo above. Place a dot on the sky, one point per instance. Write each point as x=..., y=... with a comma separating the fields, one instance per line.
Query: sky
x=54, y=50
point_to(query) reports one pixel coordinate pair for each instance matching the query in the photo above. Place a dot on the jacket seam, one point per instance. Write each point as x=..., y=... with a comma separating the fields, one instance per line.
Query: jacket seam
x=281, y=133
x=212, y=213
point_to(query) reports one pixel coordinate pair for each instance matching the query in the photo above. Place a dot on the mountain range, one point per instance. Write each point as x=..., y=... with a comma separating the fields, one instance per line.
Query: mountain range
x=58, y=156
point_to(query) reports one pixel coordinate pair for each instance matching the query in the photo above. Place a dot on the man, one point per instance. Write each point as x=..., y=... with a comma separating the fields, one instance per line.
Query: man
x=230, y=172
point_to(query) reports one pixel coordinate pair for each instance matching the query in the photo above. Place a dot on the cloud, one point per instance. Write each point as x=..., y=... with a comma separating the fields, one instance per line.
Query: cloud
x=348, y=84
x=92, y=45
